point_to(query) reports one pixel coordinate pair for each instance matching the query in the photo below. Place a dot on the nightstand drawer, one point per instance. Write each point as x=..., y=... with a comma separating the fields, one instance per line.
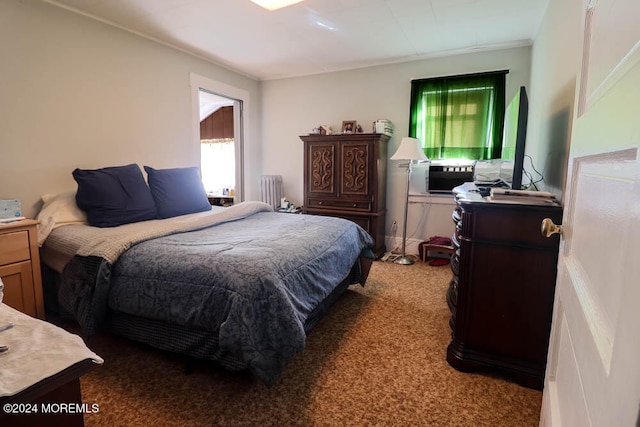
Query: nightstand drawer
x=14, y=247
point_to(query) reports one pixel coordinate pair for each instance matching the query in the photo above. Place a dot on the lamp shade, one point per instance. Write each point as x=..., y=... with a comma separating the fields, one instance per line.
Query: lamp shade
x=409, y=149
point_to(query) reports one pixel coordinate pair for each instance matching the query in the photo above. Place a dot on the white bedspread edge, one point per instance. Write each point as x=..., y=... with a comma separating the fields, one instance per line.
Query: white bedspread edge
x=110, y=243
x=37, y=350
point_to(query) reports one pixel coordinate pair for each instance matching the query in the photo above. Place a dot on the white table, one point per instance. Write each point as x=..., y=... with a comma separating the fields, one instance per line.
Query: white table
x=42, y=366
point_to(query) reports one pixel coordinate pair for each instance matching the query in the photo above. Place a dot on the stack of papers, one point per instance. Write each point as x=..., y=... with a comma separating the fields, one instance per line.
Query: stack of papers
x=504, y=195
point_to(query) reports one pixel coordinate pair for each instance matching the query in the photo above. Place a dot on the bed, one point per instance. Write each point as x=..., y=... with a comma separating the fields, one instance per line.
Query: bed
x=241, y=285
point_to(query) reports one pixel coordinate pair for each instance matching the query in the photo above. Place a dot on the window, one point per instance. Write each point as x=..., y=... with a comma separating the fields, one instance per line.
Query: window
x=217, y=144
x=241, y=103
x=459, y=117
x=218, y=165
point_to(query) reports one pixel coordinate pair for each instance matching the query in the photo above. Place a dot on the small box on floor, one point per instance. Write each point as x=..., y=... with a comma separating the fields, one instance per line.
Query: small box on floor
x=436, y=245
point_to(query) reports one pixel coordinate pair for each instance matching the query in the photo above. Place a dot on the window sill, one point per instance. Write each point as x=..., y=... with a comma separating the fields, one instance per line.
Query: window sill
x=434, y=199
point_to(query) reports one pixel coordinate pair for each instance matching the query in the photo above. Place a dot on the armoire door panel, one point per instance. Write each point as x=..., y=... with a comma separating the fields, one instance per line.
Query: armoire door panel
x=355, y=170
x=322, y=161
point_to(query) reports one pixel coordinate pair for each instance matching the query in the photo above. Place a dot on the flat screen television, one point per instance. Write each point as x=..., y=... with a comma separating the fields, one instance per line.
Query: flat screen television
x=515, y=135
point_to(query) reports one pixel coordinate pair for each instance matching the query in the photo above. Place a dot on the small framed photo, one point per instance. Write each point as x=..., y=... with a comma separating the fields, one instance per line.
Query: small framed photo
x=349, y=126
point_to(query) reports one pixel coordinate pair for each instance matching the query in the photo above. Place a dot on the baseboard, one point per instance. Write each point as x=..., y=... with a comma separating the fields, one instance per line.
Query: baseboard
x=395, y=245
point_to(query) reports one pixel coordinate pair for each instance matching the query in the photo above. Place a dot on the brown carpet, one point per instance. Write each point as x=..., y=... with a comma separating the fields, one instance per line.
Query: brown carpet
x=376, y=359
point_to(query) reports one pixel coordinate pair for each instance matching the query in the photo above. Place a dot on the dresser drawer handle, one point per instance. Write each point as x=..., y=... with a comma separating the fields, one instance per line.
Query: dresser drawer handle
x=355, y=205
x=320, y=202
x=548, y=228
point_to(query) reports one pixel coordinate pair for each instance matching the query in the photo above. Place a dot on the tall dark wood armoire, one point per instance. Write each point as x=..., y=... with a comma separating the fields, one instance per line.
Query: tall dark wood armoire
x=345, y=176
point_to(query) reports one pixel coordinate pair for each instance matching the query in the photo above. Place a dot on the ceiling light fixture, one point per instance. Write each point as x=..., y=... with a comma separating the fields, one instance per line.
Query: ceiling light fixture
x=275, y=4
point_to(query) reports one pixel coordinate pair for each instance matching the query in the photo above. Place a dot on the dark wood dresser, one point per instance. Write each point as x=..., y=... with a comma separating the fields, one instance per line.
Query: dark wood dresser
x=345, y=176
x=501, y=296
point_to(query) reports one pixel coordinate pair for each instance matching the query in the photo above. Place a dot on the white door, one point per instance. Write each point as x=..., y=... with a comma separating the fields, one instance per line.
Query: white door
x=593, y=365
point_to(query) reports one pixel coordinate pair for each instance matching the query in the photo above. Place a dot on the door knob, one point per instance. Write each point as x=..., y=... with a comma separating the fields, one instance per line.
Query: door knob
x=548, y=228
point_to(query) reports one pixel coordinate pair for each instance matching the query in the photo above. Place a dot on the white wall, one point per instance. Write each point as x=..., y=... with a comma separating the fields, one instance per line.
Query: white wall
x=292, y=107
x=554, y=67
x=78, y=93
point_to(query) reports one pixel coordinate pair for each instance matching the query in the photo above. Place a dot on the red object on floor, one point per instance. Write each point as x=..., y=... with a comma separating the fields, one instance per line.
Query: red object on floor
x=439, y=261
x=439, y=240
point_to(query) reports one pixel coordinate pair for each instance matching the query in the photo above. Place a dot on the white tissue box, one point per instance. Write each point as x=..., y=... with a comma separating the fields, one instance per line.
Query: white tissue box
x=10, y=209
x=383, y=126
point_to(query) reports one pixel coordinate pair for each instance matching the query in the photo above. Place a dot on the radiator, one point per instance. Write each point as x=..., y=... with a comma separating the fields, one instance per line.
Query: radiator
x=271, y=190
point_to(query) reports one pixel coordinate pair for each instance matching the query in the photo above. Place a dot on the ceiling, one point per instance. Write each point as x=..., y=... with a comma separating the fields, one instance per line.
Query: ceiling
x=317, y=36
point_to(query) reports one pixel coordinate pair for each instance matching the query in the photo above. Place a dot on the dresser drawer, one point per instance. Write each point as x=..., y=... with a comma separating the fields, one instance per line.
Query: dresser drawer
x=14, y=247
x=363, y=206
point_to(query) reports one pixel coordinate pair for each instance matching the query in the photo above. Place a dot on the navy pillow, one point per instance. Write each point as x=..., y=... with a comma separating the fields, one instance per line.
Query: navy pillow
x=114, y=196
x=177, y=191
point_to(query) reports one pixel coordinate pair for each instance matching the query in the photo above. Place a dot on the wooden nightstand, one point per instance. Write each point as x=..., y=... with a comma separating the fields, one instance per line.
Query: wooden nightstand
x=20, y=267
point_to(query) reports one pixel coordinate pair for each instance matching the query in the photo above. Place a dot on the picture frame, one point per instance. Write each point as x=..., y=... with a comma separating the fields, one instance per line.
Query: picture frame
x=349, y=126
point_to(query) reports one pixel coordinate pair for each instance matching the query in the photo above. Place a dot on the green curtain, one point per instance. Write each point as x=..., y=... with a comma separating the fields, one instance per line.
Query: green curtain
x=459, y=117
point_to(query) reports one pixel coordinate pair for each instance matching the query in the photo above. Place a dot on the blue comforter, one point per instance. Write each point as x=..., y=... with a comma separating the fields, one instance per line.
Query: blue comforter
x=254, y=281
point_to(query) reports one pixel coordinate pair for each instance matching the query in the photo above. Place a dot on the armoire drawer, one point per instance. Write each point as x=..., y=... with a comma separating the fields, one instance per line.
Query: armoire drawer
x=361, y=206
